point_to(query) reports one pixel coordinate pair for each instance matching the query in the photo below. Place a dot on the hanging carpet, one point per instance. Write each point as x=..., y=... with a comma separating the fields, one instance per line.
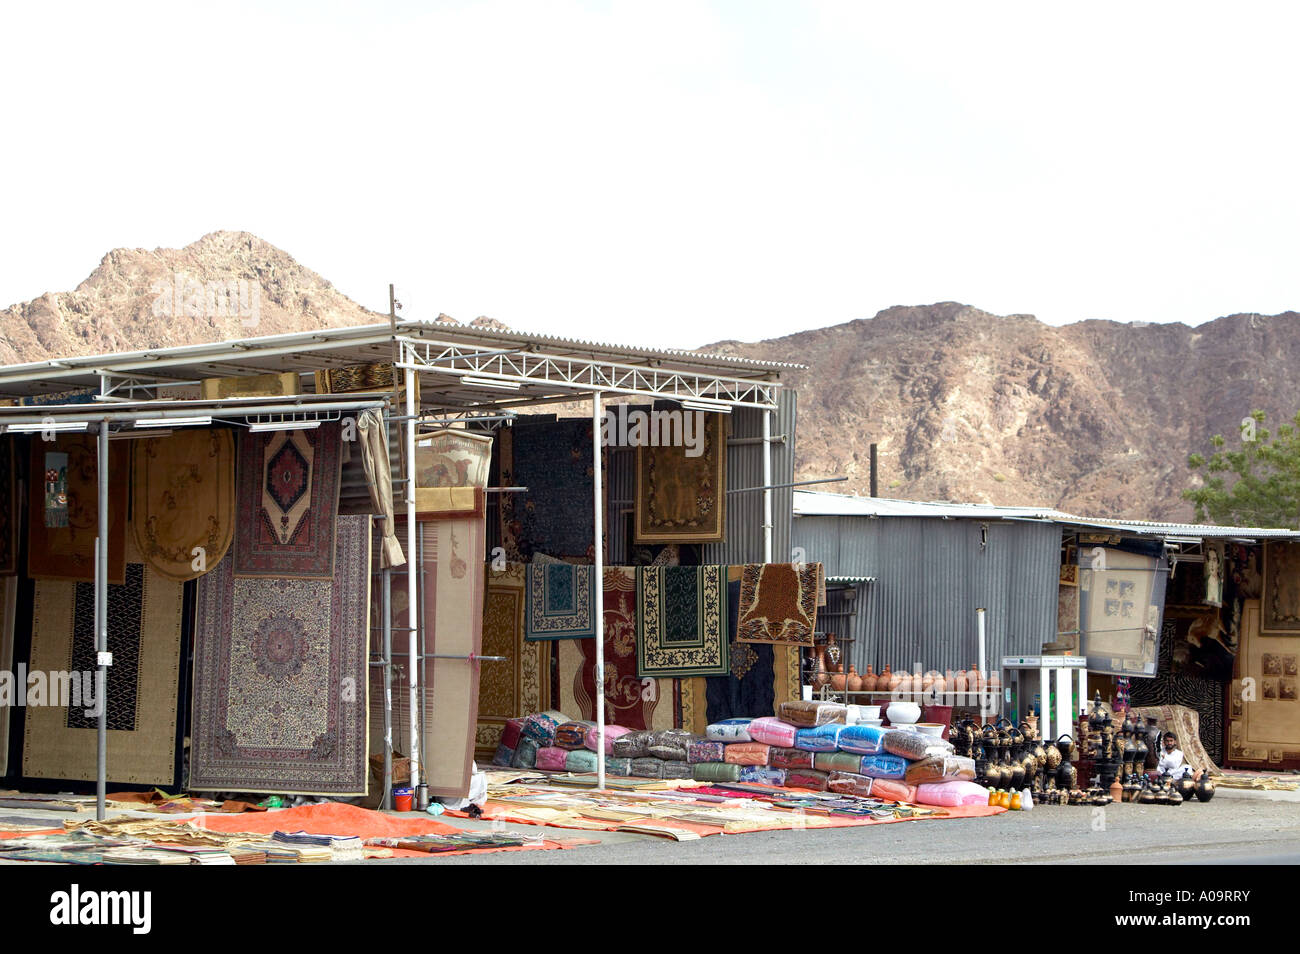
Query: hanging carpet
x=680, y=498
x=681, y=622
x=145, y=616
x=560, y=602
x=183, y=497
x=554, y=461
x=280, y=676
x=287, y=497
x=519, y=686
x=778, y=603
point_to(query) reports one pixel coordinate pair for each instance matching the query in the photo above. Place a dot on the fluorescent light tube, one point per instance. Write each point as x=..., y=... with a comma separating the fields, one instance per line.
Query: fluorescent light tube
x=53, y=426
x=471, y=381
x=709, y=406
x=284, y=425
x=171, y=421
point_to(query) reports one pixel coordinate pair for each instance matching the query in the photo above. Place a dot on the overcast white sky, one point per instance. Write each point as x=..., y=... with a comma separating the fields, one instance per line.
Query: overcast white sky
x=671, y=173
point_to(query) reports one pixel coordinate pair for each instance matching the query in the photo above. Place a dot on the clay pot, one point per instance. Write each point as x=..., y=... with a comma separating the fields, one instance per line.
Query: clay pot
x=959, y=681
x=904, y=682
x=854, y=681
x=894, y=679
x=869, y=680
x=838, y=681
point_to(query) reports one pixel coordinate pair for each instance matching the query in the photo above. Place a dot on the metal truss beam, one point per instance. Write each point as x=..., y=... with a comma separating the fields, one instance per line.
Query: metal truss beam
x=583, y=375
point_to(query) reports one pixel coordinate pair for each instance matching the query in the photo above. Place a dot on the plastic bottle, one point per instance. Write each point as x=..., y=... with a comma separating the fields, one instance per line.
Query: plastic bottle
x=993, y=798
x=1027, y=801
x=1015, y=801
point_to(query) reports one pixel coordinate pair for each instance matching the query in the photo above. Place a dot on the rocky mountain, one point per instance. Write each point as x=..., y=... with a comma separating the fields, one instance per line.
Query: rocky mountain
x=1096, y=417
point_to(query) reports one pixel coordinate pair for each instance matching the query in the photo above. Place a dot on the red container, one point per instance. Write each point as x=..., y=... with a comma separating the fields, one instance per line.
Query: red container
x=402, y=798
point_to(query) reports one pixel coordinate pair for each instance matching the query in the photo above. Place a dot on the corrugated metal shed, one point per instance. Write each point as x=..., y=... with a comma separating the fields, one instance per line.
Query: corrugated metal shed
x=931, y=575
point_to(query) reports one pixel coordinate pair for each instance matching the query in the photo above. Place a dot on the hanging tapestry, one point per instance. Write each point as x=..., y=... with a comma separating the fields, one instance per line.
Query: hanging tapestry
x=778, y=603
x=1197, y=694
x=630, y=701
x=1264, y=704
x=1281, y=604
x=452, y=617
x=183, y=500
x=681, y=487
x=1121, y=602
x=145, y=617
x=280, y=676
x=451, y=472
x=68, y=552
x=519, y=686
x=252, y=385
x=554, y=461
x=560, y=602
x=749, y=690
x=287, y=500
x=9, y=509
x=358, y=377
x=681, y=622
x=8, y=604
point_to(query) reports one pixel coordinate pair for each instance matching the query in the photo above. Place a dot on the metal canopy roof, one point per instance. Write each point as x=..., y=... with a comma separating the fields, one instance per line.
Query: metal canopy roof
x=534, y=368
x=818, y=503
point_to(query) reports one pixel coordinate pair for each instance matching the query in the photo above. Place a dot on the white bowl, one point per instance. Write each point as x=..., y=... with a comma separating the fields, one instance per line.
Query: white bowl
x=875, y=723
x=903, y=713
x=868, y=712
x=934, y=729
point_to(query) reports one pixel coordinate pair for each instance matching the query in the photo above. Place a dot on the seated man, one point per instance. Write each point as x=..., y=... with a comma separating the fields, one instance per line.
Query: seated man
x=1172, y=762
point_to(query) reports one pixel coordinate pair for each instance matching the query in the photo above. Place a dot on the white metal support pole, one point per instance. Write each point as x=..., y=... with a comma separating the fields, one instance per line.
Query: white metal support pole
x=599, y=587
x=767, y=486
x=412, y=601
x=983, y=670
x=101, y=626
x=1064, y=703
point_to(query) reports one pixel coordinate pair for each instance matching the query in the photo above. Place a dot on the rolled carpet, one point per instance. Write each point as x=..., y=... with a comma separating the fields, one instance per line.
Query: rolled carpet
x=806, y=778
x=804, y=712
x=772, y=731
x=791, y=758
x=747, y=753
x=837, y=762
x=648, y=768
x=698, y=752
x=715, y=772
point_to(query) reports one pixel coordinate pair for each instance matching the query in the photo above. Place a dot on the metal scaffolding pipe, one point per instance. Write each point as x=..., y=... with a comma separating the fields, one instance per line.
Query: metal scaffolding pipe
x=599, y=587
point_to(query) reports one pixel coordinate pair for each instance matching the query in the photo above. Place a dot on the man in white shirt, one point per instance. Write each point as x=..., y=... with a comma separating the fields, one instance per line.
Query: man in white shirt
x=1172, y=762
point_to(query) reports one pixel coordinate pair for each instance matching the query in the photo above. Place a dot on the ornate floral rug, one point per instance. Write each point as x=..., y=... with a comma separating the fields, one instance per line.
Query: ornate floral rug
x=554, y=461
x=287, y=499
x=681, y=621
x=280, y=676
x=183, y=498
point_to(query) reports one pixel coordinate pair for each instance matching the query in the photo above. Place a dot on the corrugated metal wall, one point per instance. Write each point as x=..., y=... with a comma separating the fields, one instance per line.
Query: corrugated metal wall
x=744, y=523
x=930, y=577
x=744, y=542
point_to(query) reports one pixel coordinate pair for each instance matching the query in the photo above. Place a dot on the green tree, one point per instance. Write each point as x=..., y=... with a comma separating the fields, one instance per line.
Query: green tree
x=1250, y=479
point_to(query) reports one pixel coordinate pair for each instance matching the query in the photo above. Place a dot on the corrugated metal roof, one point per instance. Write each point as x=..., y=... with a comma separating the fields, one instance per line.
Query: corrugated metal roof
x=333, y=347
x=820, y=503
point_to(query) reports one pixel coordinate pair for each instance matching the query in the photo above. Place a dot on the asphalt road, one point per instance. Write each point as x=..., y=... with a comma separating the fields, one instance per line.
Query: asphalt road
x=1228, y=831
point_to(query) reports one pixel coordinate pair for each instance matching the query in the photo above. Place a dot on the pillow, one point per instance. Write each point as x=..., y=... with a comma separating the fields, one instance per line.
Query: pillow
x=790, y=758
x=862, y=739
x=951, y=794
x=669, y=744
x=648, y=768
x=762, y=775
x=884, y=766
x=551, y=758
x=747, y=753
x=715, y=772
x=525, y=754
x=631, y=745
x=512, y=732
x=572, y=735
x=837, y=762
x=612, y=732
x=938, y=768
x=806, y=778
x=581, y=760
x=705, y=752
x=822, y=738
x=730, y=730
x=914, y=745
x=504, y=756
x=771, y=731
x=805, y=713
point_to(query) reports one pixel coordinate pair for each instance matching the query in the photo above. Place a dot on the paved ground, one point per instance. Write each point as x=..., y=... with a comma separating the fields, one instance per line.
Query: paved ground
x=1233, y=831
x=1223, y=831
